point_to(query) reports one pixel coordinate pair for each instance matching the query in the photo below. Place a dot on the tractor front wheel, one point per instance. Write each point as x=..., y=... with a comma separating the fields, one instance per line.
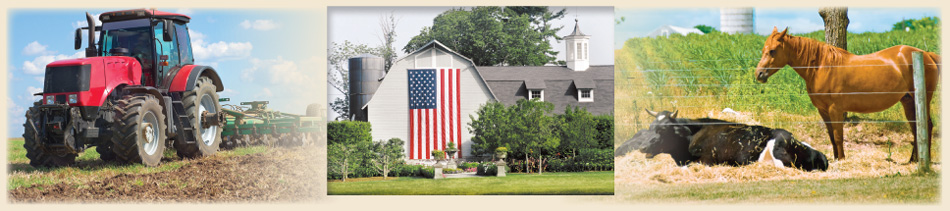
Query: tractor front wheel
x=139, y=130
x=37, y=154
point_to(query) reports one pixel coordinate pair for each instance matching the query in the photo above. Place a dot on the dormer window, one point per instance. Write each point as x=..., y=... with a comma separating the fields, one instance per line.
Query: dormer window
x=585, y=95
x=536, y=94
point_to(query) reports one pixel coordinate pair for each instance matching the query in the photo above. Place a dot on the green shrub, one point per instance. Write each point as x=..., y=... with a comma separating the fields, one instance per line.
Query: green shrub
x=487, y=169
x=605, y=129
x=427, y=172
x=405, y=170
x=468, y=165
x=349, y=132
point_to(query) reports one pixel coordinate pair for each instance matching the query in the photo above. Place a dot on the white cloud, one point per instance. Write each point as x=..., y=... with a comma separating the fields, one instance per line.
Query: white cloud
x=15, y=113
x=276, y=71
x=295, y=82
x=39, y=79
x=38, y=65
x=35, y=48
x=265, y=92
x=261, y=25
x=209, y=52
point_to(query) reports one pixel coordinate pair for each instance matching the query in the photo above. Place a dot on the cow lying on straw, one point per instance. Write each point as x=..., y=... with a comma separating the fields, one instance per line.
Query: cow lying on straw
x=714, y=141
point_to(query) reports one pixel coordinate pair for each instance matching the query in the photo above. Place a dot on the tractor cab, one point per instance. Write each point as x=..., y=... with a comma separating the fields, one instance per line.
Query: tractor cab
x=159, y=41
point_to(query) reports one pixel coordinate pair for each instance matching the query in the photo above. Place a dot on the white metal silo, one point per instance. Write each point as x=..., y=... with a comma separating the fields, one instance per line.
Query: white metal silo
x=736, y=20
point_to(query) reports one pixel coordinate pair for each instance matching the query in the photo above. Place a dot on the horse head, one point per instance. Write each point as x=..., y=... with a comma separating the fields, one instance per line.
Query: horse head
x=774, y=55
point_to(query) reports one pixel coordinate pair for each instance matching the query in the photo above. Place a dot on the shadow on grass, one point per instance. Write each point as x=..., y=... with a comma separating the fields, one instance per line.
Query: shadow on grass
x=891, y=125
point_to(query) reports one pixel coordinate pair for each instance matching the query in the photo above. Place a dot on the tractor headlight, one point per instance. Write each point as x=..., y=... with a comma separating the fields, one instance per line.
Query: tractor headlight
x=49, y=99
x=73, y=99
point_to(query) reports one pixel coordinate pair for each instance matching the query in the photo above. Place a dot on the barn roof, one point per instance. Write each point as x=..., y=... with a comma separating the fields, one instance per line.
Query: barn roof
x=439, y=45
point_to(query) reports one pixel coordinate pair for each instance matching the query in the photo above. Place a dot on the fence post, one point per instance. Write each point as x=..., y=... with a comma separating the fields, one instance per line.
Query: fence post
x=920, y=97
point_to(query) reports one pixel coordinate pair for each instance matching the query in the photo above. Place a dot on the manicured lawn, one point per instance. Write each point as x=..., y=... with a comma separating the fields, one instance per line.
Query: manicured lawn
x=581, y=183
x=913, y=189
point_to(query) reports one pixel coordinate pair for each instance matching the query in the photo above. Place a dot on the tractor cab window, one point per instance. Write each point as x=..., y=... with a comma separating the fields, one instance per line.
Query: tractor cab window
x=131, y=38
x=184, y=43
x=168, y=57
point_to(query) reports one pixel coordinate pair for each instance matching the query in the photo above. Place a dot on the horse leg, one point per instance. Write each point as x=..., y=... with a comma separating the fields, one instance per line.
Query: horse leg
x=833, y=125
x=910, y=112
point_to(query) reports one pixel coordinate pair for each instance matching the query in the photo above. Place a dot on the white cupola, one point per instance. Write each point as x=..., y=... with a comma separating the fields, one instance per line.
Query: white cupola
x=578, y=52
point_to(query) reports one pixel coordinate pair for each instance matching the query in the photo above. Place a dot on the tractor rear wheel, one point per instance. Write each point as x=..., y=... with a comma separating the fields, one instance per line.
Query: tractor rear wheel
x=139, y=130
x=37, y=153
x=196, y=102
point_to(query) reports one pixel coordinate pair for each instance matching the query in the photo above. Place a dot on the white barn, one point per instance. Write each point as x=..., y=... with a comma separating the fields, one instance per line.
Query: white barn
x=389, y=110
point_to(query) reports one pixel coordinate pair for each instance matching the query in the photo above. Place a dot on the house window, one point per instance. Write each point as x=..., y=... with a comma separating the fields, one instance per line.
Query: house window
x=536, y=94
x=585, y=95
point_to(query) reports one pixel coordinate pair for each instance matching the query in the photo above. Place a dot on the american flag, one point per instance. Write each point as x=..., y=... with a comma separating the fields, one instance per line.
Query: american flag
x=434, y=118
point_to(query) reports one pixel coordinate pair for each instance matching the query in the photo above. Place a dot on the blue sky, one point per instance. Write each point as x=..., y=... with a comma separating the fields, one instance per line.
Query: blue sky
x=361, y=25
x=641, y=21
x=259, y=54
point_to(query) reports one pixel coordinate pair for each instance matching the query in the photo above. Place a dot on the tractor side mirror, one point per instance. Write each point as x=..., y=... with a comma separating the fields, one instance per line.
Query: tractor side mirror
x=168, y=31
x=78, y=38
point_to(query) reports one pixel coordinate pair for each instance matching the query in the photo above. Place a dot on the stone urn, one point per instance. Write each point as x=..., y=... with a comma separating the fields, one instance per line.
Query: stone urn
x=450, y=158
x=501, y=155
x=501, y=152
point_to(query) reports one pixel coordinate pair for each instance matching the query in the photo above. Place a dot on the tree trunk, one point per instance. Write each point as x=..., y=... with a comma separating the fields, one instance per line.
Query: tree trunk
x=540, y=164
x=836, y=25
x=527, y=168
x=346, y=169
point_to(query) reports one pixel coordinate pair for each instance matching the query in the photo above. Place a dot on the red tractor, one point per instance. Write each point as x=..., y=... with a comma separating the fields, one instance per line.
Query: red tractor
x=136, y=93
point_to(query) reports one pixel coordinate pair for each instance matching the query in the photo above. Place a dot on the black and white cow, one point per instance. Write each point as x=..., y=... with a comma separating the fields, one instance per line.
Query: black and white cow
x=713, y=141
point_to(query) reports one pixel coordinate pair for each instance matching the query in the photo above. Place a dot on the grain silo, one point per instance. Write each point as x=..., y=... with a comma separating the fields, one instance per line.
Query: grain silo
x=366, y=72
x=737, y=20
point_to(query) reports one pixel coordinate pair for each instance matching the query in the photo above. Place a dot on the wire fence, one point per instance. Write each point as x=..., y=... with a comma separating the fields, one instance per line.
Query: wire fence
x=691, y=79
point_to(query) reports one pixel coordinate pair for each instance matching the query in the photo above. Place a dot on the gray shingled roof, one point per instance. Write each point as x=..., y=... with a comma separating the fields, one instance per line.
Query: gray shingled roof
x=584, y=83
x=545, y=72
x=560, y=84
x=534, y=84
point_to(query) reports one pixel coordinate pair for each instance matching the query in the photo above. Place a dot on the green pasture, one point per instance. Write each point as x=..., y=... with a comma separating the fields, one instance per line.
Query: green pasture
x=88, y=166
x=580, y=183
x=893, y=189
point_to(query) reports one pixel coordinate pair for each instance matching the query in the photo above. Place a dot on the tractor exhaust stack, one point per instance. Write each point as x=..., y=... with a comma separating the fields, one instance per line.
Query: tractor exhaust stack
x=91, y=50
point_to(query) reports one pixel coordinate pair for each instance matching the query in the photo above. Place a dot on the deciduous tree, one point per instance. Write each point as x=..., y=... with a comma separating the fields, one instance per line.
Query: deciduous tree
x=386, y=155
x=492, y=35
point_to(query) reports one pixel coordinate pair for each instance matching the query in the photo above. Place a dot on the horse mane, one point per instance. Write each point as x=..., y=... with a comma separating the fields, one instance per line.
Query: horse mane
x=815, y=53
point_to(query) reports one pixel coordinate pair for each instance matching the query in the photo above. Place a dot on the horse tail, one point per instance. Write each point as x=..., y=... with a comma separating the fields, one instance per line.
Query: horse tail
x=936, y=59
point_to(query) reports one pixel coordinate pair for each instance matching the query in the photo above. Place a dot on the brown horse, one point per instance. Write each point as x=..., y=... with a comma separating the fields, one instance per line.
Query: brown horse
x=839, y=82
